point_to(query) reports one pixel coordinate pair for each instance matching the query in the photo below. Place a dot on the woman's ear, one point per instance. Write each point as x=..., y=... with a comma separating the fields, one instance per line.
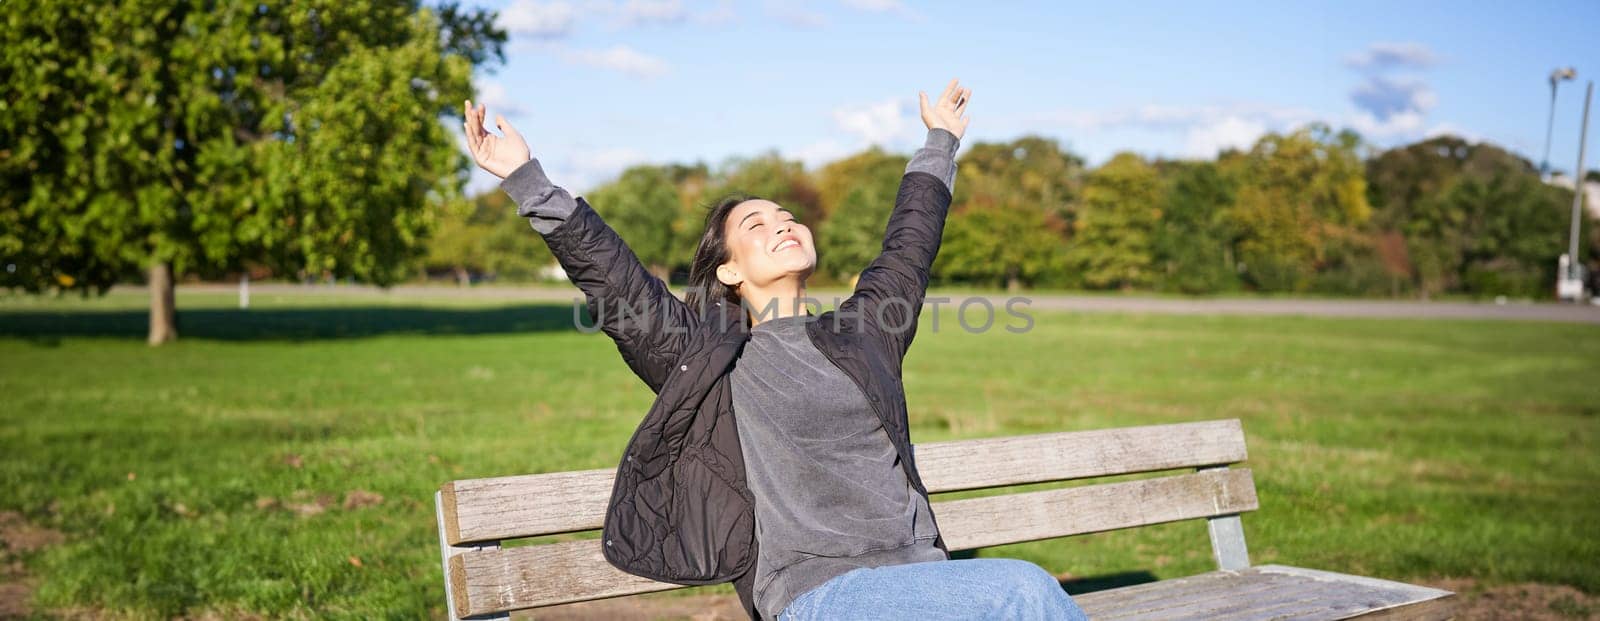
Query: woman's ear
x=729, y=276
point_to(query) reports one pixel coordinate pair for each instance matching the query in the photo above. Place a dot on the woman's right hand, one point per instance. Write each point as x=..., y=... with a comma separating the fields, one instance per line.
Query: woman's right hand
x=497, y=154
x=946, y=113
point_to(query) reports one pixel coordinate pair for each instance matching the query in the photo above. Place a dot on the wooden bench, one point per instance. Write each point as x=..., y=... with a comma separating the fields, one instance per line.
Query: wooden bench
x=485, y=580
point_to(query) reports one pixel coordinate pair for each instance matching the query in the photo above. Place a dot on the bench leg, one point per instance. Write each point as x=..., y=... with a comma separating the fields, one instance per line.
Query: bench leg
x=1227, y=537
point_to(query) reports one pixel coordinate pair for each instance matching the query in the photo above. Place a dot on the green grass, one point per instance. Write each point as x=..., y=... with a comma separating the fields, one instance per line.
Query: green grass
x=187, y=478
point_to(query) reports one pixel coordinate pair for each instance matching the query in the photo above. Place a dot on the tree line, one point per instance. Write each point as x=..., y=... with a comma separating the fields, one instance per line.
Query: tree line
x=157, y=140
x=1309, y=211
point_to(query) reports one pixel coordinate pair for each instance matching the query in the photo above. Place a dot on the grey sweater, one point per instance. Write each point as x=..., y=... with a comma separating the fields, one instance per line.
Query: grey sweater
x=830, y=493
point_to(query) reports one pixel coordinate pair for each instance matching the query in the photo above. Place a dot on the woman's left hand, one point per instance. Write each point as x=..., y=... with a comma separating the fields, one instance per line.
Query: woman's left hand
x=946, y=112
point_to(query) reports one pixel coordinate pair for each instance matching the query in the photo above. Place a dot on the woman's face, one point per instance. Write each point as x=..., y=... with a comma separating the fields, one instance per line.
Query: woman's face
x=765, y=244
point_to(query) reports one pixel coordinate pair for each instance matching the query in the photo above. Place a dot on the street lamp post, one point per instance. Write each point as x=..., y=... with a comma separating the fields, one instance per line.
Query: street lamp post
x=1555, y=78
x=1572, y=281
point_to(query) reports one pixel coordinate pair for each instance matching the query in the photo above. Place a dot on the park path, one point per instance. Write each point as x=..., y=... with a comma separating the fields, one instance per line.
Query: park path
x=1405, y=309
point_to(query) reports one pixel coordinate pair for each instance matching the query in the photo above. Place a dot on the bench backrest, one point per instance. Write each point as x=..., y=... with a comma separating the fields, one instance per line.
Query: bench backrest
x=485, y=580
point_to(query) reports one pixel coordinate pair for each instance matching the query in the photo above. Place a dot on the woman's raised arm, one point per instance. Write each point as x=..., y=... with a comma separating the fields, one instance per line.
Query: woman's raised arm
x=893, y=286
x=648, y=323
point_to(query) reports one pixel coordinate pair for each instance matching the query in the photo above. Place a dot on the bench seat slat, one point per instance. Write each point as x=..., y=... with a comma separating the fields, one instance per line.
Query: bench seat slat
x=543, y=504
x=515, y=578
x=1268, y=592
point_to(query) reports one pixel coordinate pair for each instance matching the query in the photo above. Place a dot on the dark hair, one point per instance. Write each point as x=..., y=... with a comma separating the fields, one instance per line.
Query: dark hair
x=704, y=287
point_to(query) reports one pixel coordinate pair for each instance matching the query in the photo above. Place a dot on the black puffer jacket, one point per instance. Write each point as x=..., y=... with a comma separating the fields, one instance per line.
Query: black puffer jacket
x=680, y=509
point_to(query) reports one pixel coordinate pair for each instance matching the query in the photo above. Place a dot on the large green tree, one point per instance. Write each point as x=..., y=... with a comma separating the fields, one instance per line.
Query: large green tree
x=1296, y=193
x=1474, y=217
x=1118, y=215
x=1012, y=214
x=1192, y=243
x=196, y=137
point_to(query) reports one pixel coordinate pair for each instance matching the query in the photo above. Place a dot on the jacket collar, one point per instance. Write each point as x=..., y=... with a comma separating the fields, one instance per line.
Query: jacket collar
x=727, y=320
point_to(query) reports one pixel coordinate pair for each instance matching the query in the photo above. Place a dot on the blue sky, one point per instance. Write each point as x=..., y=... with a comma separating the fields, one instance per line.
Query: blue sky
x=598, y=85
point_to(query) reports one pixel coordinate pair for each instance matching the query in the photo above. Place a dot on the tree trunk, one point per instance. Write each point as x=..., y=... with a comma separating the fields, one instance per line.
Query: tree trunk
x=463, y=277
x=163, y=314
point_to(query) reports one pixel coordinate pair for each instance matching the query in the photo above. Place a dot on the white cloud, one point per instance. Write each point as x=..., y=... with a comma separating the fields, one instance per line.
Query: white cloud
x=896, y=7
x=1203, y=129
x=1384, y=97
x=1407, y=124
x=1206, y=139
x=1384, y=55
x=1160, y=117
x=821, y=153
x=1392, y=107
x=715, y=17
x=557, y=19
x=618, y=58
x=893, y=124
x=544, y=20
x=583, y=169
x=653, y=11
x=794, y=14
x=884, y=123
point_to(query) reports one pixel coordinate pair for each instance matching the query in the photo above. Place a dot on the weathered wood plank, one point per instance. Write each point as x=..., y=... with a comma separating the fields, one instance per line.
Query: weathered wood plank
x=1441, y=609
x=447, y=551
x=526, y=505
x=1191, y=588
x=1268, y=592
x=1419, y=592
x=560, y=502
x=1247, y=601
x=1014, y=518
x=546, y=575
x=524, y=577
x=1016, y=460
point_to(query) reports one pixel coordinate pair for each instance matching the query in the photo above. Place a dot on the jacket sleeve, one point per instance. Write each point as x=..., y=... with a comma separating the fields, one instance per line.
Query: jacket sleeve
x=649, y=324
x=890, y=292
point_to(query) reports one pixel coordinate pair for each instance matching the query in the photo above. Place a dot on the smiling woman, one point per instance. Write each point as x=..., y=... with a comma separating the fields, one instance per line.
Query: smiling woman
x=793, y=477
x=737, y=254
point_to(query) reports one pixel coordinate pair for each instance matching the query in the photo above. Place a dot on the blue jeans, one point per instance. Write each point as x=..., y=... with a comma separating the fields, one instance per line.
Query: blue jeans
x=979, y=588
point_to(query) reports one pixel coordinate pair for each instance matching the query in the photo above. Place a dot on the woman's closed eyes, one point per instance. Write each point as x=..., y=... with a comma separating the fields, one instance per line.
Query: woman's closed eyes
x=753, y=226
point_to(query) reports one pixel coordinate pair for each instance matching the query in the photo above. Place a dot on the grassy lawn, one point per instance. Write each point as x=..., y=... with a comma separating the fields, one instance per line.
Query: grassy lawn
x=282, y=460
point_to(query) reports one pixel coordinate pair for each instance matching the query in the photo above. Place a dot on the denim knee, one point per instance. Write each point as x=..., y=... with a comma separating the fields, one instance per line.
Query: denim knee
x=1027, y=573
x=1036, y=593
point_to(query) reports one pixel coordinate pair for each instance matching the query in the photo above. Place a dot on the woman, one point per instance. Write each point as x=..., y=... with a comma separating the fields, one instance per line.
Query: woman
x=776, y=454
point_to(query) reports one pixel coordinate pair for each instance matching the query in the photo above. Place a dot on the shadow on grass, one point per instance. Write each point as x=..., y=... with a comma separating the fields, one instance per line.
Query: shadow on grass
x=298, y=324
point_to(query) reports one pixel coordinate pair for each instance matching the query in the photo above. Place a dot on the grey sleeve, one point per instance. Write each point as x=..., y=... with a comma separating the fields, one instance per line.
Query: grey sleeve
x=543, y=203
x=937, y=157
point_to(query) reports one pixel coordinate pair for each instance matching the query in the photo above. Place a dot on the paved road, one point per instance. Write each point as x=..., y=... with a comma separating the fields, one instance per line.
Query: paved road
x=1525, y=311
